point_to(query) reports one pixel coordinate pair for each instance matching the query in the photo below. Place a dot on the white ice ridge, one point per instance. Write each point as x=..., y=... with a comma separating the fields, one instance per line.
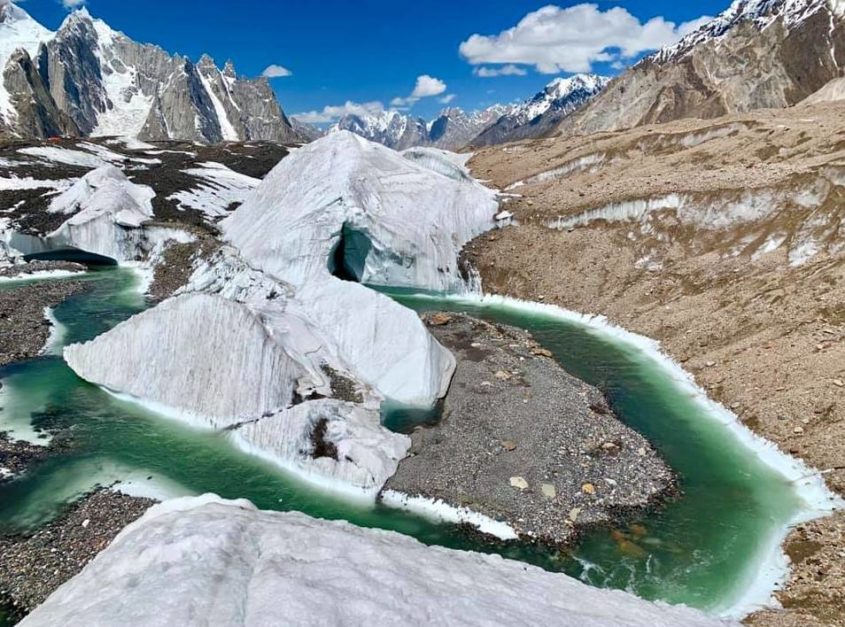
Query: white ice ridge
x=206, y=561
x=440, y=511
x=402, y=222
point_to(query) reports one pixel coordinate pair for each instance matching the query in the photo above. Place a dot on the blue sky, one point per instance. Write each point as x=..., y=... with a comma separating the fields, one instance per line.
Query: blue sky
x=373, y=51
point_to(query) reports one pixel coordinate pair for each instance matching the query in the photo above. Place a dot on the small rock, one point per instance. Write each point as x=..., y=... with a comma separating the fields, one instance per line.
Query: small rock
x=542, y=352
x=439, y=320
x=641, y=452
x=519, y=483
x=501, y=375
x=85, y=523
x=735, y=405
x=710, y=364
x=798, y=430
x=588, y=488
x=548, y=490
x=509, y=445
x=839, y=383
x=574, y=513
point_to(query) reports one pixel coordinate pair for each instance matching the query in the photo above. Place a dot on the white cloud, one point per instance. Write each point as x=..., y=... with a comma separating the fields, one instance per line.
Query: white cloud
x=447, y=98
x=428, y=86
x=72, y=4
x=572, y=39
x=506, y=70
x=331, y=113
x=425, y=87
x=276, y=71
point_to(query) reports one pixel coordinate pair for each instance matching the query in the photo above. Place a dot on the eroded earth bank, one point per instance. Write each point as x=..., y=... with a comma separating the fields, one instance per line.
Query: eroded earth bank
x=723, y=240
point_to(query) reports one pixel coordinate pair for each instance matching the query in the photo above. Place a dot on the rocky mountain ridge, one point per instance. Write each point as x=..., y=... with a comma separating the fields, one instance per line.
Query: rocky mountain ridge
x=757, y=54
x=87, y=79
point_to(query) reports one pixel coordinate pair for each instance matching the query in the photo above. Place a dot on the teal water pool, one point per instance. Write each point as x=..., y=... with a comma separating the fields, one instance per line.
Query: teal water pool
x=704, y=549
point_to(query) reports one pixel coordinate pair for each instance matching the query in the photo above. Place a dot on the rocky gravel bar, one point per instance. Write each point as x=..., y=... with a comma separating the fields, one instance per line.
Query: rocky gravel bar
x=523, y=442
x=16, y=455
x=26, y=270
x=34, y=565
x=23, y=328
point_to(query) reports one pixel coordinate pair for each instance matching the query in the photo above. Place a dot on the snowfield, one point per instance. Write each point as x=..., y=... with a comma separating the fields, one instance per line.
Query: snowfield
x=207, y=561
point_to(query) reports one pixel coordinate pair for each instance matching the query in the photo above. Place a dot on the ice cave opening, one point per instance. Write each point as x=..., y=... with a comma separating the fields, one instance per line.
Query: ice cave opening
x=349, y=255
x=71, y=254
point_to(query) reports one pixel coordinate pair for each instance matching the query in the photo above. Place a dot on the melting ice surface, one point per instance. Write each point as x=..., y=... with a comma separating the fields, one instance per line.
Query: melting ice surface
x=704, y=550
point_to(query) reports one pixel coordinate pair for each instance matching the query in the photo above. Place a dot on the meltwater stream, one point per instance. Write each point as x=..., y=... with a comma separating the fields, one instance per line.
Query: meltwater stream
x=705, y=549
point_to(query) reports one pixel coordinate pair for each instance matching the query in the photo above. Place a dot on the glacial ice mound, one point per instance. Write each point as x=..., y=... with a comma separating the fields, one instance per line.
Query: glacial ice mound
x=335, y=214
x=237, y=371
x=206, y=561
x=217, y=363
x=345, y=201
x=108, y=216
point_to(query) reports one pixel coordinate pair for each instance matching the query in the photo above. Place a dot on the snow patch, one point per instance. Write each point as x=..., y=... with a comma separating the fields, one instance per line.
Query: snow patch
x=220, y=189
x=227, y=130
x=65, y=156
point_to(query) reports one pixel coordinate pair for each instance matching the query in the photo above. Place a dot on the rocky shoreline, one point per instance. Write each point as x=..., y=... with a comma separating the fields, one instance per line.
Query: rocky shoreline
x=36, y=564
x=25, y=270
x=16, y=455
x=523, y=442
x=23, y=328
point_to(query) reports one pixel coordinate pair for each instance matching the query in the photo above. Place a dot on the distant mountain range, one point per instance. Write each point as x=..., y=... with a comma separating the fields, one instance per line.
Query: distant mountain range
x=86, y=79
x=455, y=128
x=90, y=80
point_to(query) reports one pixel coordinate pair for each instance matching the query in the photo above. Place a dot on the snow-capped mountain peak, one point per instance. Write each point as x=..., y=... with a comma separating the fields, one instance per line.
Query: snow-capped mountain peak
x=455, y=128
x=761, y=13
x=18, y=31
x=561, y=93
x=93, y=80
x=390, y=128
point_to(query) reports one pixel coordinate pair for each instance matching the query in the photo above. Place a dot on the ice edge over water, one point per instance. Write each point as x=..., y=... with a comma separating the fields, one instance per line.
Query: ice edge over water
x=773, y=568
x=193, y=420
x=439, y=511
x=58, y=331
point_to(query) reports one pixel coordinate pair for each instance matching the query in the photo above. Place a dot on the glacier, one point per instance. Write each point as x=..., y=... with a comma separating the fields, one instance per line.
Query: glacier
x=335, y=215
x=205, y=560
x=108, y=217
